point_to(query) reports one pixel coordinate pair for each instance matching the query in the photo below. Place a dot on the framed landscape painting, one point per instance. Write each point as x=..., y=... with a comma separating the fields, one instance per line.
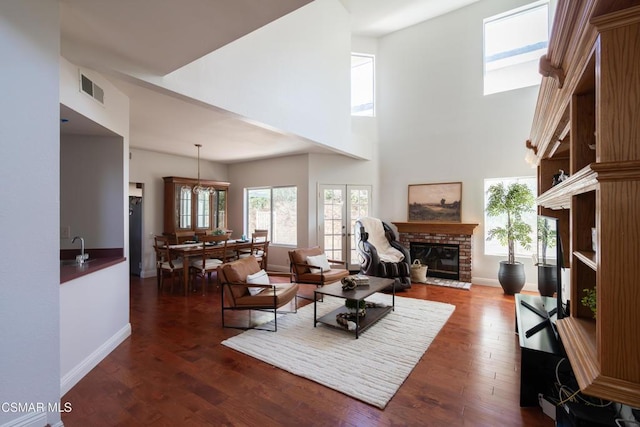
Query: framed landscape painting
x=440, y=202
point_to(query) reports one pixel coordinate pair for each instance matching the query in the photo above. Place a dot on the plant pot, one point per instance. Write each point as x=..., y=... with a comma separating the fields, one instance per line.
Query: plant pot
x=511, y=277
x=547, y=280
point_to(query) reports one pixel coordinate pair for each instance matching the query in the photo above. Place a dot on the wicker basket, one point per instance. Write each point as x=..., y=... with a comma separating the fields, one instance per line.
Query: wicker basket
x=418, y=272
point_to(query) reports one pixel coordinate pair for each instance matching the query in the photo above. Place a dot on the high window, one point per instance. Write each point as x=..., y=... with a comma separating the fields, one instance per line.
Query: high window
x=273, y=209
x=514, y=41
x=362, y=85
x=493, y=247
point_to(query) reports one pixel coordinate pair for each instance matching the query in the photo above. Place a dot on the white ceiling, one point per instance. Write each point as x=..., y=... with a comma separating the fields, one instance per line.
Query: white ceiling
x=160, y=36
x=376, y=18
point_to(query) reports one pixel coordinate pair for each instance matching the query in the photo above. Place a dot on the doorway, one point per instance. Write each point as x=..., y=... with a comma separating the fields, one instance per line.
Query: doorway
x=135, y=229
x=338, y=208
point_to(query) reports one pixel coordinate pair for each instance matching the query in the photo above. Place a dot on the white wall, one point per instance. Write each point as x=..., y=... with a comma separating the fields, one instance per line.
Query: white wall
x=364, y=130
x=430, y=103
x=29, y=212
x=306, y=172
x=94, y=320
x=148, y=168
x=94, y=309
x=339, y=170
x=292, y=74
x=91, y=171
x=282, y=171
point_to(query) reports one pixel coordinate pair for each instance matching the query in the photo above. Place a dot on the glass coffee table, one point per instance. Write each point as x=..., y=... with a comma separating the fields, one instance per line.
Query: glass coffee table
x=373, y=314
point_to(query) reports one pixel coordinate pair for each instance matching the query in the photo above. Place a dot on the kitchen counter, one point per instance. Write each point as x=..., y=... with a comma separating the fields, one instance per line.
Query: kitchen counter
x=98, y=260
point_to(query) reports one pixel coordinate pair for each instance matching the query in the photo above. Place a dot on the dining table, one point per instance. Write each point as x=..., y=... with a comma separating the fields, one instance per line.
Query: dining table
x=188, y=250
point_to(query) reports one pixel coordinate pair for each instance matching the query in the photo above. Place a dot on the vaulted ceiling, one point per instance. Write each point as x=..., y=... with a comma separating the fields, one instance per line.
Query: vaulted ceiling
x=156, y=37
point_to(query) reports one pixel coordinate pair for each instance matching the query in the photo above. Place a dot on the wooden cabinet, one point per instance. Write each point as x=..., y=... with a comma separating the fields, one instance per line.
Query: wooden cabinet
x=185, y=210
x=586, y=123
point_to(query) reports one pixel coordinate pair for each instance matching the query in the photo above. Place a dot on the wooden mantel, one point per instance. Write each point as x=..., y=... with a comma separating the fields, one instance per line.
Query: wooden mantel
x=436, y=227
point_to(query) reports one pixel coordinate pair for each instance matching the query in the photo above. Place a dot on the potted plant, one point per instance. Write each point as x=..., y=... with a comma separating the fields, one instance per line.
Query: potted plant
x=590, y=300
x=547, y=273
x=512, y=201
x=353, y=306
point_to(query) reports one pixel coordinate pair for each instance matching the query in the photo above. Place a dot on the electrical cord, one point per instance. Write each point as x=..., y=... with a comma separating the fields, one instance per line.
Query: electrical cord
x=567, y=394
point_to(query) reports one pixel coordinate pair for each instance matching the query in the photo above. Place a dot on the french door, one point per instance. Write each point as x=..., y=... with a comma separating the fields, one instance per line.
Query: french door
x=338, y=208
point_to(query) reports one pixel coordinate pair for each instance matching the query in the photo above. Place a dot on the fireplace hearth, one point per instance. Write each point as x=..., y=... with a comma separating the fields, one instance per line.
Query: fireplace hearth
x=448, y=234
x=442, y=260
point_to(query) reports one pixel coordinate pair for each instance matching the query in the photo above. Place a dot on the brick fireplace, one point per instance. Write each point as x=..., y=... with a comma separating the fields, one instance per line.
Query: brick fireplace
x=444, y=233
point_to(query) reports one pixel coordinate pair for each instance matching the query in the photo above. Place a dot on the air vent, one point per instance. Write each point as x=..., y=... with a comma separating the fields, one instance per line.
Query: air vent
x=90, y=88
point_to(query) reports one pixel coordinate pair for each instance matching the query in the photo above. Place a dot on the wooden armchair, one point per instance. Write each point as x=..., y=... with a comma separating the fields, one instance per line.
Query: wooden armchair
x=208, y=261
x=245, y=286
x=259, y=248
x=164, y=264
x=183, y=236
x=304, y=273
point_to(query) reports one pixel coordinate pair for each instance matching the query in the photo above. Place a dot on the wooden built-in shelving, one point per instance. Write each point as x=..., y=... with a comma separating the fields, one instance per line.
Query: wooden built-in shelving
x=588, y=258
x=586, y=124
x=559, y=197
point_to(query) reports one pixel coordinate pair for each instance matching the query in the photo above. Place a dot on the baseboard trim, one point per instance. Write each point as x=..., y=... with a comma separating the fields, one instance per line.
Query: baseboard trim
x=32, y=419
x=533, y=287
x=148, y=273
x=77, y=373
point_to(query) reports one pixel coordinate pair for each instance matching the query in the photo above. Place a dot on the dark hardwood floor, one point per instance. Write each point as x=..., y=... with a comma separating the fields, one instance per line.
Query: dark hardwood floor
x=173, y=371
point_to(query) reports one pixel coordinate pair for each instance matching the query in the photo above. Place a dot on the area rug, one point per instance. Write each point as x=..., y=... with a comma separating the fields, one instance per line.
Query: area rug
x=370, y=368
x=448, y=283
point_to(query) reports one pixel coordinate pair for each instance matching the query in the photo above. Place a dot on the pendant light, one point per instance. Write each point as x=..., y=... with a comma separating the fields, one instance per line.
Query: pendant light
x=198, y=188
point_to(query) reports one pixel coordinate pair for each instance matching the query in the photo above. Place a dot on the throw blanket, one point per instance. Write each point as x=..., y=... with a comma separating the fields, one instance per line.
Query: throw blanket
x=386, y=252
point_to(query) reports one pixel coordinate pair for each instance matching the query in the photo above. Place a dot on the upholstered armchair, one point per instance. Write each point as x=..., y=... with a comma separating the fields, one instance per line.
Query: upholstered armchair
x=311, y=266
x=380, y=253
x=245, y=286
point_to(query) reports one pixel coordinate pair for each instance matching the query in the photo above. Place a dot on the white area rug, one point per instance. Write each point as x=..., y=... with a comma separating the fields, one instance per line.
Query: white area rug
x=371, y=368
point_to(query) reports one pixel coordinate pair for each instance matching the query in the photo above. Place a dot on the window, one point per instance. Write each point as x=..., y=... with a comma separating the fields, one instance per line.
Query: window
x=362, y=85
x=185, y=207
x=273, y=209
x=513, y=44
x=493, y=247
x=202, y=210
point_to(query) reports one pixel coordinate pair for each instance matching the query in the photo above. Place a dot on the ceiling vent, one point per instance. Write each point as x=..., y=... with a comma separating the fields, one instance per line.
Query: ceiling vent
x=90, y=88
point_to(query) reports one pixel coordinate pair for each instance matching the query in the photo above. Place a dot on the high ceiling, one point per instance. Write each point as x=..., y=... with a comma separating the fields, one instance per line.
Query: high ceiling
x=159, y=36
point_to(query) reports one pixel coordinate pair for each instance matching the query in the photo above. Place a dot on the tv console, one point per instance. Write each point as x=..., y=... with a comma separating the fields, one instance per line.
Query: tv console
x=540, y=350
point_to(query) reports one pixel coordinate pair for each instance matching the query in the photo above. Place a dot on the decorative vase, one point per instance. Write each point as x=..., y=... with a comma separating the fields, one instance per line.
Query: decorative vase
x=511, y=277
x=547, y=280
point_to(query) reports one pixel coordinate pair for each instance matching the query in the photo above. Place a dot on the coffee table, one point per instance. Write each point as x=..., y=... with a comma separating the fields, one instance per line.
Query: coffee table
x=373, y=314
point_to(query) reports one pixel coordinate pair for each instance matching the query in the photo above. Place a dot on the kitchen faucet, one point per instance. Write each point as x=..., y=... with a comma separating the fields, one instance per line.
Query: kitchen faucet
x=82, y=257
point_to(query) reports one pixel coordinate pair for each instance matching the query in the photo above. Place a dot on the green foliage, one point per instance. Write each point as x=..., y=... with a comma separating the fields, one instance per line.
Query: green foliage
x=351, y=303
x=547, y=237
x=513, y=201
x=589, y=300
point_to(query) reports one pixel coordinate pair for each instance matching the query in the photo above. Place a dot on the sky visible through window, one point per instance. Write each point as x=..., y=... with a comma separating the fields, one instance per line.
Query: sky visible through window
x=513, y=44
x=362, y=85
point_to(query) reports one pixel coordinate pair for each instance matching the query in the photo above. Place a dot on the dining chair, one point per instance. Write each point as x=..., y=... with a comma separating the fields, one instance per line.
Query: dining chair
x=214, y=253
x=184, y=236
x=165, y=265
x=259, y=248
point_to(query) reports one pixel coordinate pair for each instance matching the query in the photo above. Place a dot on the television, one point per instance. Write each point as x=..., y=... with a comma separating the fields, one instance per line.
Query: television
x=549, y=260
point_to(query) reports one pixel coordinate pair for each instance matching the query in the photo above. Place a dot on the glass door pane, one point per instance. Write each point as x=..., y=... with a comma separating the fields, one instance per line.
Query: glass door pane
x=340, y=206
x=359, y=206
x=203, y=214
x=221, y=209
x=332, y=225
x=183, y=206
